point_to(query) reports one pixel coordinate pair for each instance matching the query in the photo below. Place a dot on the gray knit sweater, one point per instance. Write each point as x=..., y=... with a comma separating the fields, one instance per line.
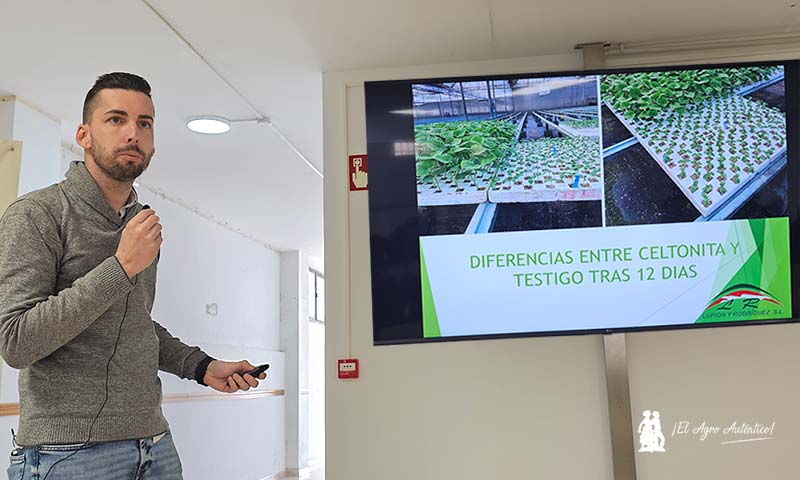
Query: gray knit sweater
x=63, y=295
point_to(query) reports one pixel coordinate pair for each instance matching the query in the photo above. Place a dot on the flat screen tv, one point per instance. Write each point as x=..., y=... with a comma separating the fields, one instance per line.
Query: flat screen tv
x=583, y=202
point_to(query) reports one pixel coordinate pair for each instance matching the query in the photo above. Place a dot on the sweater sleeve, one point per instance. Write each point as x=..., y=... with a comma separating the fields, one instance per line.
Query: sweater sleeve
x=34, y=320
x=176, y=357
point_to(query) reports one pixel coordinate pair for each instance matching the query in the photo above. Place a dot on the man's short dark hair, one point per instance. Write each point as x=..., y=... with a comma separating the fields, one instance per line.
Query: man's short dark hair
x=121, y=80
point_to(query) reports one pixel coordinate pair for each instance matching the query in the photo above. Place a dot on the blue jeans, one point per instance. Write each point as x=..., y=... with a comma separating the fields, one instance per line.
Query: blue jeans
x=151, y=458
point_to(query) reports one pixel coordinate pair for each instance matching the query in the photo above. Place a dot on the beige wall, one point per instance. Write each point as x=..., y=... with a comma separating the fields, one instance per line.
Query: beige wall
x=10, y=156
x=530, y=408
x=719, y=376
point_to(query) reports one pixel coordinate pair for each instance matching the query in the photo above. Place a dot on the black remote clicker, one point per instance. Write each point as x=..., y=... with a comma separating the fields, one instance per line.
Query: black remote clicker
x=256, y=371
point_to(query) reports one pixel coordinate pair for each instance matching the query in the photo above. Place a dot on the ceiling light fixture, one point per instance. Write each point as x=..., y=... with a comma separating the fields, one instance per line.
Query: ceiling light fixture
x=215, y=125
x=209, y=125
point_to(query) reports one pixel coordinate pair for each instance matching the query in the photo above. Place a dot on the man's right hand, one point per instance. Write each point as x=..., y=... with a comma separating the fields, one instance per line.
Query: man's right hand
x=140, y=242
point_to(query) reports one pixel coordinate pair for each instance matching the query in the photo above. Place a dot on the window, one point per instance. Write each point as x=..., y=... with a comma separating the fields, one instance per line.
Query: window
x=316, y=296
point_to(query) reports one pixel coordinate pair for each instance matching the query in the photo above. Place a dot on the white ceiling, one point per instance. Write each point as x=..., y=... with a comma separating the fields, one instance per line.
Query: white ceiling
x=274, y=52
x=348, y=34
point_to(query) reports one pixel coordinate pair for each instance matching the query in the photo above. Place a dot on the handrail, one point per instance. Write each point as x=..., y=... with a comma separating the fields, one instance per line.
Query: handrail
x=11, y=409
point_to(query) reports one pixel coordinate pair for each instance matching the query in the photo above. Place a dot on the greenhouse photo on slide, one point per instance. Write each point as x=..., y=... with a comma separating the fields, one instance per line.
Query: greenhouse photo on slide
x=508, y=155
x=694, y=145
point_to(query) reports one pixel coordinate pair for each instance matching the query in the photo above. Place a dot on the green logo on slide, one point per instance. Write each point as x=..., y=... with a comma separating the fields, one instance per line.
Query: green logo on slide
x=742, y=297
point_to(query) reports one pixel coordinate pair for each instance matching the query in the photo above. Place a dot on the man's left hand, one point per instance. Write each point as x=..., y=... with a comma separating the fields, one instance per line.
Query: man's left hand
x=226, y=377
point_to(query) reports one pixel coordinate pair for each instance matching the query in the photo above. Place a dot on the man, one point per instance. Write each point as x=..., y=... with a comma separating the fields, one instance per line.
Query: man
x=77, y=284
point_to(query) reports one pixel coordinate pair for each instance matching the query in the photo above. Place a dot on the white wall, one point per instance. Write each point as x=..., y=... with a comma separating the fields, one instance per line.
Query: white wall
x=316, y=393
x=203, y=263
x=41, y=148
x=294, y=341
x=523, y=408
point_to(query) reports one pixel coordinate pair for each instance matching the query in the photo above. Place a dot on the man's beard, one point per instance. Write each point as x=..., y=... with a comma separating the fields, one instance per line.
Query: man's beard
x=120, y=171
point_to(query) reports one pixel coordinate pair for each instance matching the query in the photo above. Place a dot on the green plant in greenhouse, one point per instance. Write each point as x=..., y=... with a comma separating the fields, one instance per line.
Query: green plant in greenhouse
x=644, y=95
x=460, y=150
x=574, y=158
x=582, y=123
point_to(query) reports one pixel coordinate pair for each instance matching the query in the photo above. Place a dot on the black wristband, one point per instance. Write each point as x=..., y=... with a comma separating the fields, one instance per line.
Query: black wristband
x=200, y=371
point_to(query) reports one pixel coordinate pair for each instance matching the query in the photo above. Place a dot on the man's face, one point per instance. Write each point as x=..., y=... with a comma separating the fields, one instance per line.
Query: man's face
x=121, y=133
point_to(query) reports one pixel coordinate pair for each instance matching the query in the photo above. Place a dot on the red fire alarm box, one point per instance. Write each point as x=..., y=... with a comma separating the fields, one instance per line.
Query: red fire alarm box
x=358, y=172
x=348, y=368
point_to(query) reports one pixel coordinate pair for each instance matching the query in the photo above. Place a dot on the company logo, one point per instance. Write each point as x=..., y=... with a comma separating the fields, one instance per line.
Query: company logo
x=651, y=439
x=750, y=295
